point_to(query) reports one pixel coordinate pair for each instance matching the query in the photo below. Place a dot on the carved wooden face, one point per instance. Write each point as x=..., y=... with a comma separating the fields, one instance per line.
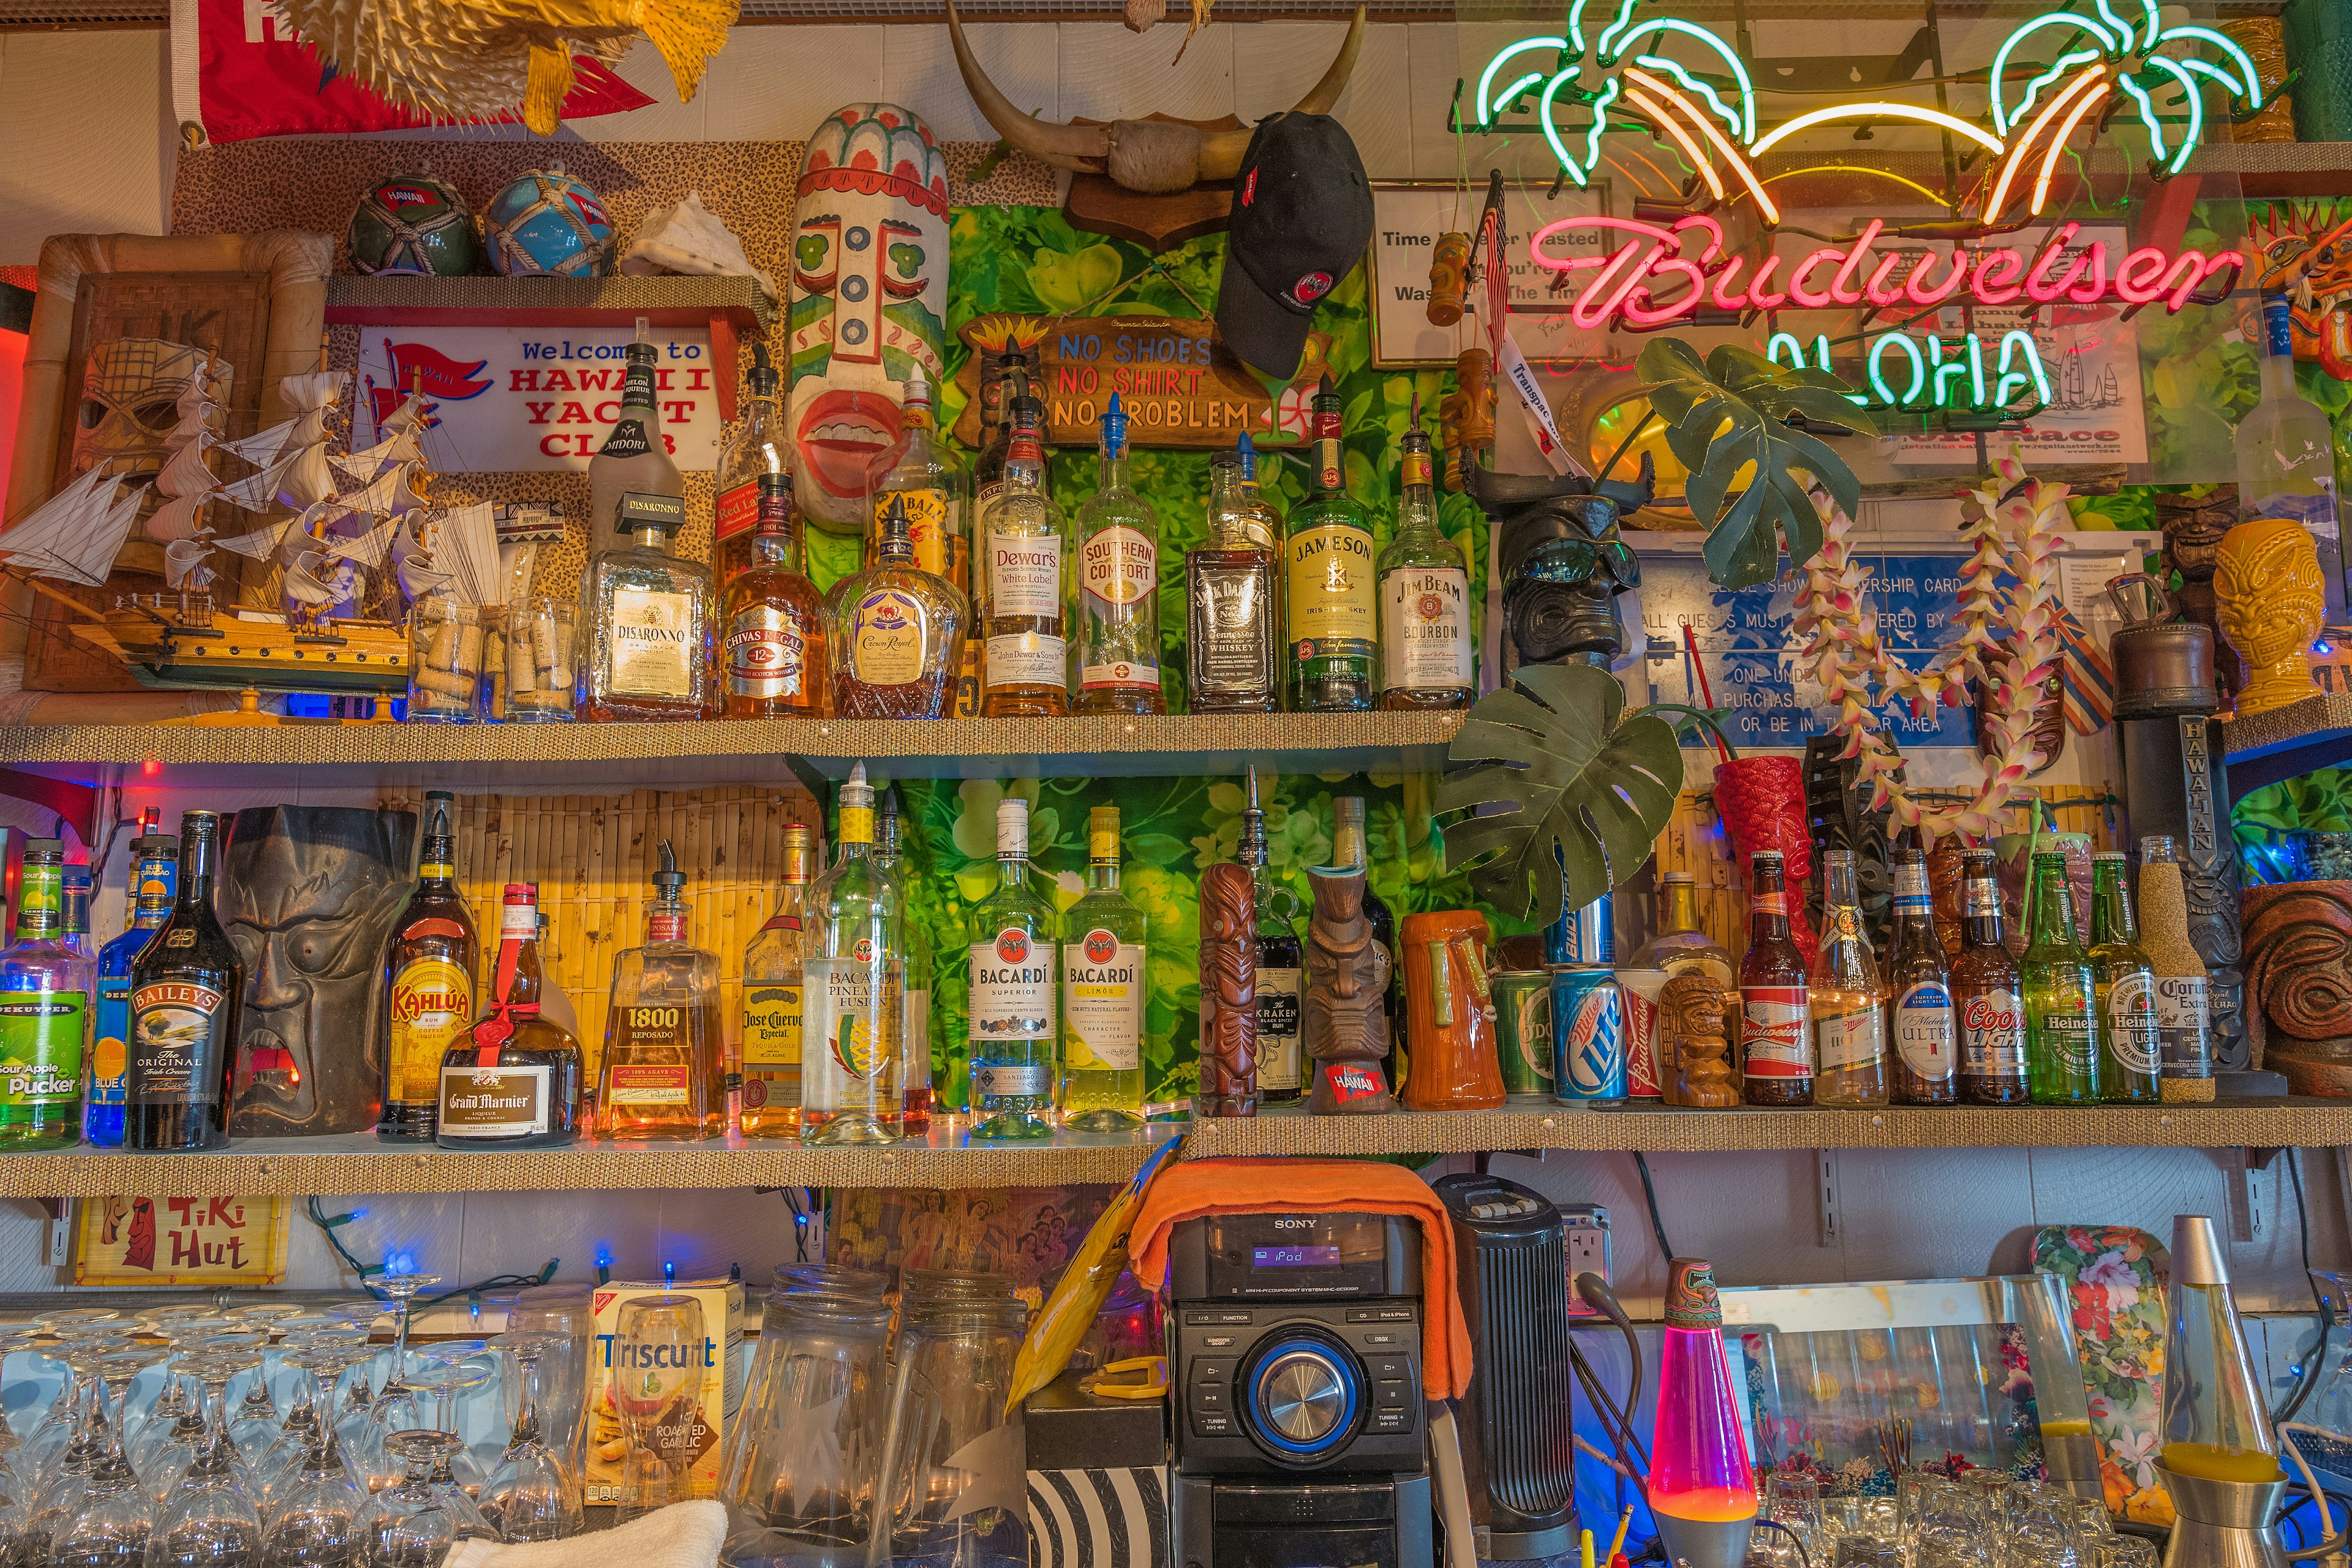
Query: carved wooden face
x=129, y=401
x=2299, y=960
x=1694, y=1010
x=2270, y=595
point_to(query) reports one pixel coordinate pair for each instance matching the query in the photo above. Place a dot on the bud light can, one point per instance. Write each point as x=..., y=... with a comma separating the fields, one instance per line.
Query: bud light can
x=1587, y=1028
x=1523, y=1029
x=1582, y=936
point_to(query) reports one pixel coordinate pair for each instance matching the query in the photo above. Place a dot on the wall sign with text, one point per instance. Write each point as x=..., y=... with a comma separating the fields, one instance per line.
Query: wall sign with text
x=1176, y=380
x=145, y=1239
x=1406, y=222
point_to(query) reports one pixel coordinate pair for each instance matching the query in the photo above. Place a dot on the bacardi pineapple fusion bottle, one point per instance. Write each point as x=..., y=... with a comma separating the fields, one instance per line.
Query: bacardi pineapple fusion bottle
x=916, y=1098
x=1103, y=993
x=850, y=1015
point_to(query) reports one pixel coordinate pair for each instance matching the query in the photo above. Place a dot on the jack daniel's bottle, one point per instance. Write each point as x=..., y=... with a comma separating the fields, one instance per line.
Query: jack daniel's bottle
x=186, y=991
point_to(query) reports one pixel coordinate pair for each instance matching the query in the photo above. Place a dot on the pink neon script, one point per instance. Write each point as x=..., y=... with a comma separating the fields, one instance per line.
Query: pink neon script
x=1698, y=1456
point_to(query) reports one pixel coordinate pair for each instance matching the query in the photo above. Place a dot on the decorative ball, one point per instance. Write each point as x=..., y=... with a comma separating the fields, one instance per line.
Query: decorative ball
x=413, y=226
x=548, y=224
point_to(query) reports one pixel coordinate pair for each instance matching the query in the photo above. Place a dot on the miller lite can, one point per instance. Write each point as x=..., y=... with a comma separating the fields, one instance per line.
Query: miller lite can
x=1586, y=936
x=1588, y=1027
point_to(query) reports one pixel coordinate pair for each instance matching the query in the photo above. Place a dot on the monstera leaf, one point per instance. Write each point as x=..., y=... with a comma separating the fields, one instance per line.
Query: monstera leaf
x=1733, y=410
x=1588, y=787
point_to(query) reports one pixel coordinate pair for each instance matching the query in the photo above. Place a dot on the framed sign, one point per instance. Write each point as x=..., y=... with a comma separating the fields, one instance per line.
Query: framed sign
x=1177, y=382
x=142, y=1239
x=1407, y=218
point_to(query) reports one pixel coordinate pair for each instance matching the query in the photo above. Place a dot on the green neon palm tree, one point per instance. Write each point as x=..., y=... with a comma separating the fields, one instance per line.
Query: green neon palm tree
x=2130, y=50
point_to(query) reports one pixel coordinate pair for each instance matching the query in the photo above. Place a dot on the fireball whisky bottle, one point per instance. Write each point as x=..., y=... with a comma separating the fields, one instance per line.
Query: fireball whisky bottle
x=664, y=1073
x=428, y=987
x=1013, y=997
x=771, y=1000
x=1103, y=993
x=850, y=1015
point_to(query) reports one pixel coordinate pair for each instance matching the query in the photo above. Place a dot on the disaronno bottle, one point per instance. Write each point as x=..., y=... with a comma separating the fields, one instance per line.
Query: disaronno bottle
x=652, y=620
x=664, y=1072
x=428, y=983
x=1102, y=992
x=850, y=1015
x=1012, y=1010
x=513, y=1080
x=771, y=1000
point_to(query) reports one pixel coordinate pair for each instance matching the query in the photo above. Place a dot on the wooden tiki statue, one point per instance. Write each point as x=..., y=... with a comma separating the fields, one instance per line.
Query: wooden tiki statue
x=1345, y=1033
x=1228, y=992
x=1690, y=1013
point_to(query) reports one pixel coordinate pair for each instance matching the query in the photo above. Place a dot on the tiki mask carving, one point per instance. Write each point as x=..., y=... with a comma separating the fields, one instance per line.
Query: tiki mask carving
x=309, y=895
x=2271, y=600
x=869, y=299
x=1228, y=992
x=1563, y=562
x=1346, y=1028
x=130, y=400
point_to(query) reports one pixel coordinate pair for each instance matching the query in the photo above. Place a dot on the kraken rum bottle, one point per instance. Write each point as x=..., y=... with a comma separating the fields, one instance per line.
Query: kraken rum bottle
x=186, y=992
x=428, y=983
x=771, y=1000
x=665, y=1069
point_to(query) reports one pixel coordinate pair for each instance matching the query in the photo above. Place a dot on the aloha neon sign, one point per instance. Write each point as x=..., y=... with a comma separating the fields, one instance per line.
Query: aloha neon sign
x=1940, y=376
x=1635, y=286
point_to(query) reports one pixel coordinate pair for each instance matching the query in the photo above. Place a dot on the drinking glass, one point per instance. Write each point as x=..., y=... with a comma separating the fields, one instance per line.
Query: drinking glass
x=316, y=1522
x=165, y=1450
x=110, y=1527
x=834, y=1279
x=37, y=1458
x=567, y=1312
x=407, y=1526
x=452, y=1370
x=656, y=1390
x=534, y=1494
x=2044, y=1529
x=950, y=1487
x=210, y=1519
x=2120, y=1551
x=800, y=1471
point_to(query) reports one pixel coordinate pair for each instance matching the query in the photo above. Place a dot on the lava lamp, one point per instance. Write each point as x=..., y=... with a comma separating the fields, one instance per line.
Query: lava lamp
x=1702, y=1491
x=2216, y=1427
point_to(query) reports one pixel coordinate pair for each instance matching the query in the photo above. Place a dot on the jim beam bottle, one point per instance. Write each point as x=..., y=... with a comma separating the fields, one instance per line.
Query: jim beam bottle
x=428, y=983
x=1985, y=995
x=188, y=991
x=1776, y=1033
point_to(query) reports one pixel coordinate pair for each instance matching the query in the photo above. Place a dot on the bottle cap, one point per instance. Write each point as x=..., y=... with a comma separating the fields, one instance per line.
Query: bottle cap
x=1976, y=855
x=1114, y=429
x=1011, y=827
x=156, y=847
x=1761, y=855
x=915, y=391
x=1102, y=833
x=1246, y=449
x=1691, y=1301
x=2110, y=855
x=525, y=892
x=776, y=485
x=1680, y=877
x=1347, y=808
x=2049, y=857
x=50, y=851
x=638, y=512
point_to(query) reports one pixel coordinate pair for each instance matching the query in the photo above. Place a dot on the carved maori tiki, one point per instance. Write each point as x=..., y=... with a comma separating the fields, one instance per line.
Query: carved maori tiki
x=1690, y=1013
x=2299, y=968
x=1346, y=1029
x=1228, y=992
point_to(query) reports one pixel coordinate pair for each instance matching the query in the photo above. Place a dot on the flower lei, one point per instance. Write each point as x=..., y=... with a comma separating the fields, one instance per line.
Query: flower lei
x=2012, y=522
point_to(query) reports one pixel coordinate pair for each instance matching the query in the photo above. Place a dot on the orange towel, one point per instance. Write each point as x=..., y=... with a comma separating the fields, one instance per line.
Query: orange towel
x=1193, y=1188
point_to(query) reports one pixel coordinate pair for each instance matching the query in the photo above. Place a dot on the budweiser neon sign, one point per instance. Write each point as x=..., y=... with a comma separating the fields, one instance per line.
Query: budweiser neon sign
x=1660, y=275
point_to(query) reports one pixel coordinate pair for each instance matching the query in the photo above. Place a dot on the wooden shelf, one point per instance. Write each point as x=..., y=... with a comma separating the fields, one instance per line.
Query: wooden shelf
x=2263, y=748
x=476, y=757
x=613, y=301
x=359, y=1163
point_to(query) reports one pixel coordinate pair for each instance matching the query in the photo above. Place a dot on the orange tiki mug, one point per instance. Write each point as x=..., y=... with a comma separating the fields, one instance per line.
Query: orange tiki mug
x=1449, y=1013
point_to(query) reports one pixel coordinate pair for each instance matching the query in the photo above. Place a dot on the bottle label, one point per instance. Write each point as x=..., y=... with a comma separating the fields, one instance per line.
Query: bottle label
x=652, y=637
x=1330, y=464
x=1025, y=575
x=517, y=923
x=765, y=655
x=494, y=1102
x=1773, y=1032
x=628, y=439
x=648, y=1083
x=886, y=638
x=1121, y=676
x=1330, y=570
x=176, y=1028
x=739, y=508
x=2184, y=1019
x=108, y=1047
x=1980, y=897
x=1102, y=997
x=927, y=524
x=1028, y=658
x=1279, y=1012
x=1911, y=885
x=1924, y=1032
x=2134, y=1032
x=40, y=1047
x=432, y=1001
x=1850, y=1041
x=1425, y=630
x=771, y=1025
x=1233, y=641
x=40, y=904
x=1011, y=1080
x=1012, y=988
x=914, y=1039
x=1993, y=1035
x=1773, y=903
x=1120, y=565
x=837, y=1019
x=2070, y=1041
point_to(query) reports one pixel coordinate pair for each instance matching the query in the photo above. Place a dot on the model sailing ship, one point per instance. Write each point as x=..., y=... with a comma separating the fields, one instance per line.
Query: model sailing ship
x=325, y=548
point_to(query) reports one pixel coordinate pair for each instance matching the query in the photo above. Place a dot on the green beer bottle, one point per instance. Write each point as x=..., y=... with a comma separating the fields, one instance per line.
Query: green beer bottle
x=2062, y=1035
x=2130, y=1045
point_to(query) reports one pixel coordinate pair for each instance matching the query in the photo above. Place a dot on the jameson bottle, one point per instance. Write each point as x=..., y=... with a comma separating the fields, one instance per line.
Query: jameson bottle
x=1775, y=1027
x=1919, y=994
x=1328, y=572
x=186, y=992
x=1848, y=1004
x=1985, y=996
x=2062, y=1034
x=152, y=892
x=45, y=994
x=428, y=983
x=2131, y=1040
x=2184, y=1015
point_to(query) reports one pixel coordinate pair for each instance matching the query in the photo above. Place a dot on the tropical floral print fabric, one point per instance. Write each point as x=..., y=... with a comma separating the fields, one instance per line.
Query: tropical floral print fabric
x=2115, y=1278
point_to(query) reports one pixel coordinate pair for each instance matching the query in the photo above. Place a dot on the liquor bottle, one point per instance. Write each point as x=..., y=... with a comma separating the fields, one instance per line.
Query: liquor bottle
x=1985, y=995
x=1023, y=555
x=1926, y=1062
x=772, y=974
x=187, y=993
x=916, y=1098
x=899, y=633
x=651, y=619
x=1847, y=1002
x=1328, y=582
x=1233, y=600
x=512, y=1080
x=428, y=983
x=75, y=891
x=1776, y=1038
x=1117, y=613
x=1281, y=970
x=1681, y=947
x=44, y=1012
x=1350, y=845
x=1425, y=649
x=2286, y=464
x=758, y=448
x=997, y=396
x=636, y=458
x=2131, y=1039
x=2184, y=1013
x=664, y=1073
x=776, y=620
x=1103, y=993
x=850, y=1011
x=1013, y=994
x=152, y=893
x=2061, y=1036
x=929, y=485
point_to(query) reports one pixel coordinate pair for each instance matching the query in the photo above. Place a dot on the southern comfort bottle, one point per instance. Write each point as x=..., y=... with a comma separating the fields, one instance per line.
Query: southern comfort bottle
x=428, y=988
x=1776, y=1031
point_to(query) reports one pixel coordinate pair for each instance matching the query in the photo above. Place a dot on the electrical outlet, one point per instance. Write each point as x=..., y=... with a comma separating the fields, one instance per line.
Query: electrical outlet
x=1587, y=1230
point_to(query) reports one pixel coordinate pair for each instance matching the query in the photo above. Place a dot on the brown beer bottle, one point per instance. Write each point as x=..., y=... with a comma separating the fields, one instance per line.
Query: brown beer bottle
x=1920, y=993
x=1776, y=1034
x=1986, y=999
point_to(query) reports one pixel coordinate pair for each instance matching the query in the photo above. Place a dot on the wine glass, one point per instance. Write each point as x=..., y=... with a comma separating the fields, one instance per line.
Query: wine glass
x=317, y=1520
x=401, y=1289
x=405, y=1526
x=111, y=1527
x=210, y=1518
x=304, y=1424
x=452, y=1369
x=532, y=1495
x=165, y=1450
x=656, y=1387
x=60, y=1488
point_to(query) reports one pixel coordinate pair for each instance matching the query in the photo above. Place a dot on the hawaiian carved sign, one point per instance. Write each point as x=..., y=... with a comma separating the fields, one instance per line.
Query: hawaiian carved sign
x=1178, y=384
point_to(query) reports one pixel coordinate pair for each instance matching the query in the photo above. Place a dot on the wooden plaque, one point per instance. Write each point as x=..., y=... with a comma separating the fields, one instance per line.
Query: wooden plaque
x=140, y=1239
x=1178, y=384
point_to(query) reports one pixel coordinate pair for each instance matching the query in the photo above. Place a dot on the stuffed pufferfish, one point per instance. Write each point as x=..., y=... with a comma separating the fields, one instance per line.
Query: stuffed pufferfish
x=478, y=60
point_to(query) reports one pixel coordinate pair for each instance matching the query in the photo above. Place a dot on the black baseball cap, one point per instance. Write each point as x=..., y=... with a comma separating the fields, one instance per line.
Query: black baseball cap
x=1302, y=220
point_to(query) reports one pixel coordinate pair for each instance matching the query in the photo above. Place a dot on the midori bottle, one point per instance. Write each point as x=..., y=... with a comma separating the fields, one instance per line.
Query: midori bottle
x=1848, y=1004
x=1926, y=1061
x=2184, y=1016
x=1776, y=1036
x=2131, y=1045
x=635, y=455
x=2061, y=1011
x=1102, y=992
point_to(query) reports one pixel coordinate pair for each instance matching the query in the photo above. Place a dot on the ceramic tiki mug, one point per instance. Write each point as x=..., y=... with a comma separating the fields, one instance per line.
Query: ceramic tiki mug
x=1449, y=1013
x=2270, y=600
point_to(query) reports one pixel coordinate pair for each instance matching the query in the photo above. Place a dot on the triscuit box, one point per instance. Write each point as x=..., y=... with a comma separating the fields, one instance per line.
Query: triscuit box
x=722, y=1306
